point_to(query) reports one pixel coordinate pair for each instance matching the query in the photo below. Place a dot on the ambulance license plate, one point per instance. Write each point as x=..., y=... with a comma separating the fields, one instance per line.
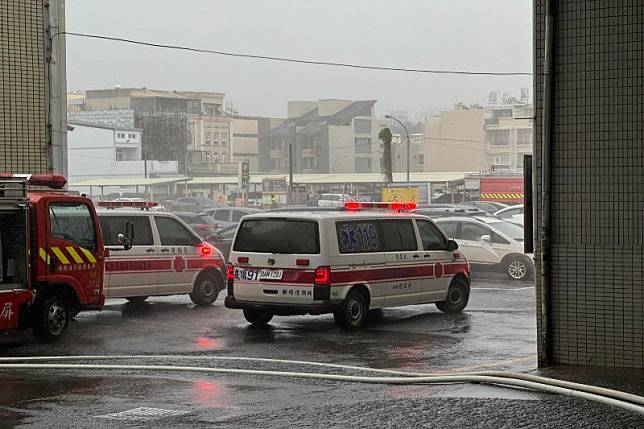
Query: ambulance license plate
x=252, y=275
x=271, y=274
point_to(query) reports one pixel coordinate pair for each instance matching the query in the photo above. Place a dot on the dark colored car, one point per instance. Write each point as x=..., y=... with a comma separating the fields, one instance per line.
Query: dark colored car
x=202, y=223
x=223, y=239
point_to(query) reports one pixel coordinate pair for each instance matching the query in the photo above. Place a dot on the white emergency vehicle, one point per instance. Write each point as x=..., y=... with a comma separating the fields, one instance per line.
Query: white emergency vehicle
x=344, y=262
x=166, y=258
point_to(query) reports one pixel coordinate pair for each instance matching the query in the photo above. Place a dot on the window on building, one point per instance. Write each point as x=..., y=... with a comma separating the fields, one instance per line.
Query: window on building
x=308, y=163
x=500, y=159
x=224, y=136
x=363, y=165
x=120, y=135
x=421, y=159
x=208, y=136
x=362, y=126
x=119, y=154
x=500, y=138
x=362, y=145
x=131, y=136
x=524, y=137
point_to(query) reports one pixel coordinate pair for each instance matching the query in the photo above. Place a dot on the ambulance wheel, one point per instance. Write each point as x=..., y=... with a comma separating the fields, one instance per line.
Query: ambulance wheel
x=458, y=294
x=257, y=318
x=206, y=289
x=136, y=299
x=354, y=311
x=50, y=317
x=518, y=267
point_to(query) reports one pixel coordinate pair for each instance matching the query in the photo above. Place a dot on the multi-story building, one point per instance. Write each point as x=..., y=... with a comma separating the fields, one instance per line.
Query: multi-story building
x=249, y=139
x=509, y=132
x=33, y=128
x=327, y=136
x=455, y=141
x=399, y=153
x=186, y=126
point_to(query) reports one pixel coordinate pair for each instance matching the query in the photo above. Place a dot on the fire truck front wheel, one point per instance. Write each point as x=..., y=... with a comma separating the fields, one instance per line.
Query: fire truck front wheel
x=50, y=317
x=206, y=289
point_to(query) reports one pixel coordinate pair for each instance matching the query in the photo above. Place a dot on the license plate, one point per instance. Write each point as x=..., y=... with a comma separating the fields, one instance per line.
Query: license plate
x=251, y=275
x=270, y=274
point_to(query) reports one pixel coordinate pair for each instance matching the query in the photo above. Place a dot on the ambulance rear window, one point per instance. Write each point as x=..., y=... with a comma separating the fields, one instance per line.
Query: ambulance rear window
x=278, y=236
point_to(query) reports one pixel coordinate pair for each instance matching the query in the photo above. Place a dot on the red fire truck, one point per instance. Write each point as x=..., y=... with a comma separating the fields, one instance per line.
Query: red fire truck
x=51, y=255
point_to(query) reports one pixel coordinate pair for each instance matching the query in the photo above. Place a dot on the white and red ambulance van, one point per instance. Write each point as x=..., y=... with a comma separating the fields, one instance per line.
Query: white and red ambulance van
x=344, y=262
x=166, y=258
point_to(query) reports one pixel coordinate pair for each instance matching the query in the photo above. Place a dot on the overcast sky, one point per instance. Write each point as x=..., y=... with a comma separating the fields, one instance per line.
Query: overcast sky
x=489, y=35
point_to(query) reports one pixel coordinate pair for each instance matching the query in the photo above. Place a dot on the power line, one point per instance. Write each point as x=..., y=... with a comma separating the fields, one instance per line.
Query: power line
x=289, y=60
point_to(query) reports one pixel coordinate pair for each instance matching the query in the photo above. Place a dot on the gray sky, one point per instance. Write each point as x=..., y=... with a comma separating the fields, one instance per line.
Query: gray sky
x=487, y=35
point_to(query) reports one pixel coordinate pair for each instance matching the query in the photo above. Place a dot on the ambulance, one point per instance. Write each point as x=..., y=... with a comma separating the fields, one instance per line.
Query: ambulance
x=166, y=257
x=361, y=257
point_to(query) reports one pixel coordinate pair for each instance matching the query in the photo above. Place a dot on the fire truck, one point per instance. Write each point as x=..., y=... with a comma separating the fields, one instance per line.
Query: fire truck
x=51, y=254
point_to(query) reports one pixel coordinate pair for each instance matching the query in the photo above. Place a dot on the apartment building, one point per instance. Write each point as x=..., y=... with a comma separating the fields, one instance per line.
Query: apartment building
x=509, y=132
x=327, y=136
x=249, y=139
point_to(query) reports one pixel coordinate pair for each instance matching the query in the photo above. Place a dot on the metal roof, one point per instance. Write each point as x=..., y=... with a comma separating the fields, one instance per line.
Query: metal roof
x=336, y=178
x=128, y=181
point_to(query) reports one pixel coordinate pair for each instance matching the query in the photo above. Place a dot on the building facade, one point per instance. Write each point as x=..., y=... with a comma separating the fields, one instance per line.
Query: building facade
x=399, y=153
x=33, y=128
x=509, y=132
x=590, y=298
x=327, y=136
x=189, y=127
x=456, y=141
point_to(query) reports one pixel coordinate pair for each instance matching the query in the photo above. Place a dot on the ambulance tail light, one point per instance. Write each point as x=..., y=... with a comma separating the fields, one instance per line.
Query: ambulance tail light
x=322, y=276
x=322, y=284
x=230, y=272
x=230, y=278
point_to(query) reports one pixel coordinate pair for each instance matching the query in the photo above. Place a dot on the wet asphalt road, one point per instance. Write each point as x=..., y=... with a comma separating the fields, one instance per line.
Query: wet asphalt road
x=497, y=331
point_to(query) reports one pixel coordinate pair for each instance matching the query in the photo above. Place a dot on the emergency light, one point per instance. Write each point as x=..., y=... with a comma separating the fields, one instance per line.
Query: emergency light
x=393, y=205
x=121, y=204
x=53, y=181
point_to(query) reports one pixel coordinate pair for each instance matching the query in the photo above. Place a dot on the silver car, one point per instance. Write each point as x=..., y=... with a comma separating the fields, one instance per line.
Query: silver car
x=487, y=240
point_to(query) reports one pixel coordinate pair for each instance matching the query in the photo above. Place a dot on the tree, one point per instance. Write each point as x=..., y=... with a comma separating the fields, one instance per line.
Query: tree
x=387, y=170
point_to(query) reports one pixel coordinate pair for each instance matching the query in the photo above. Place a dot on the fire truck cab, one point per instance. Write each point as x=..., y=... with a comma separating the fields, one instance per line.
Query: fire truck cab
x=51, y=255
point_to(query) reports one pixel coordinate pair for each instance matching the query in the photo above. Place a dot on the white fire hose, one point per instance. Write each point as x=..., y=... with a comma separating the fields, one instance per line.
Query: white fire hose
x=601, y=395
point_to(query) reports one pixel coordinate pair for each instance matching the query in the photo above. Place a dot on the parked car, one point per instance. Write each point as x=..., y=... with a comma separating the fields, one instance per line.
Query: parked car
x=203, y=224
x=229, y=216
x=442, y=210
x=487, y=206
x=490, y=241
x=223, y=239
x=334, y=200
x=512, y=214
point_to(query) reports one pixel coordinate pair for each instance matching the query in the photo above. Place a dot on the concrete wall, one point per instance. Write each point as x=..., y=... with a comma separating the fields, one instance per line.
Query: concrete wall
x=456, y=142
x=91, y=152
x=596, y=302
x=23, y=88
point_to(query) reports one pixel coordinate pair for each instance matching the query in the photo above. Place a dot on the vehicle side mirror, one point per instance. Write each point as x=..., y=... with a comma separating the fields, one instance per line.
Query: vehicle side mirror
x=486, y=238
x=451, y=245
x=126, y=239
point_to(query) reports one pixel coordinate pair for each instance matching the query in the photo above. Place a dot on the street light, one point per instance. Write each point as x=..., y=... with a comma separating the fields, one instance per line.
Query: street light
x=408, y=142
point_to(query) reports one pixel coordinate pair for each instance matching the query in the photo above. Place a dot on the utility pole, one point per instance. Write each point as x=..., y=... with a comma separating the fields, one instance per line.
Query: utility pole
x=290, y=173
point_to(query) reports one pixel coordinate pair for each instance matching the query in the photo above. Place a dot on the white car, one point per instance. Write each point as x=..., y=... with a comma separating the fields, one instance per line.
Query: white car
x=166, y=258
x=334, y=200
x=487, y=240
x=344, y=262
x=512, y=214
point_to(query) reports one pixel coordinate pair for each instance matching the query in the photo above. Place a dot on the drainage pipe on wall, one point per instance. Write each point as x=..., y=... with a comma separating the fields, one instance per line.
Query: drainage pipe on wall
x=545, y=338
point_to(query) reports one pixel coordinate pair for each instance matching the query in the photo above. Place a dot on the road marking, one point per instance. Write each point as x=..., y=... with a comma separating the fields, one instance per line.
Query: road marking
x=500, y=288
x=143, y=414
